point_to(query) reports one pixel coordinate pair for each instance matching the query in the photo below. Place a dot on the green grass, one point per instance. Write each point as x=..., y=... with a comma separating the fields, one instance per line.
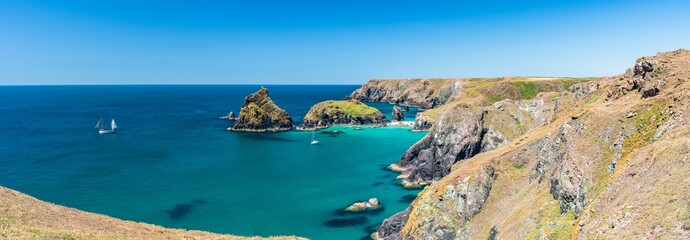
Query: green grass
x=350, y=107
x=433, y=113
x=528, y=90
x=567, y=82
x=551, y=222
x=646, y=122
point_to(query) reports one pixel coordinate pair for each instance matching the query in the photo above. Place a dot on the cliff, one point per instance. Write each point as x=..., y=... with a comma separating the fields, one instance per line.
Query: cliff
x=424, y=93
x=435, y=95
x=606, y=160
x=260, y=114
x=25, y=217
x=351, y=112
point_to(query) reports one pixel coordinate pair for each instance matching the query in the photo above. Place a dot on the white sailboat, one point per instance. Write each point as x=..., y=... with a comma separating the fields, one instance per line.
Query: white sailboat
x=313, y=141
x=101, y=128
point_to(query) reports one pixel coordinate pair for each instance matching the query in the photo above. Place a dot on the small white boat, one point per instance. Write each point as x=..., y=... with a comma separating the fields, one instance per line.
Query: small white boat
x=101, y=128
x=313, y=141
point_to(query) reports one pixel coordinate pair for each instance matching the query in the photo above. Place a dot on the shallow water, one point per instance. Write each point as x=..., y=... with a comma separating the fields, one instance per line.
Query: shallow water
x=173, y=164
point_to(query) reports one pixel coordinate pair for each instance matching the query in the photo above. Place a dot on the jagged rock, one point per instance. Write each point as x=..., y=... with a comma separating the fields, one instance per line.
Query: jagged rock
x=453, y=137
x=422, y=123
x=461, y=132
x=649, y=91
x=391, y=227
x=350, y=112
x=230, y=116
x=397, y=114
x=442, y=216
x=260, y=114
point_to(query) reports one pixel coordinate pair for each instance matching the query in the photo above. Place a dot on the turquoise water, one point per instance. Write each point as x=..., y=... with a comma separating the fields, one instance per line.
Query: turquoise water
x=173, y=164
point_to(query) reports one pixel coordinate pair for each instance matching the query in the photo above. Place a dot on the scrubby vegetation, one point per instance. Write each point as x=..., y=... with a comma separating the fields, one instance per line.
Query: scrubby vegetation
x=354, y=108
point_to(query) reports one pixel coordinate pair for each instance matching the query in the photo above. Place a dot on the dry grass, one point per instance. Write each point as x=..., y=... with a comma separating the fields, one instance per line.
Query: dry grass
x=25, y=217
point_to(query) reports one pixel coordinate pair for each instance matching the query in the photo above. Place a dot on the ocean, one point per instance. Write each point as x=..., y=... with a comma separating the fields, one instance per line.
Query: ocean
x=172, y=163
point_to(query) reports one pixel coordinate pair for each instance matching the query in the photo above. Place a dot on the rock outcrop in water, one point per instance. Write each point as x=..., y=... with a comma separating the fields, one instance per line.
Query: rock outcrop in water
x=397, y=114
x=260, y=114
x=608, y=159
x=347, y=112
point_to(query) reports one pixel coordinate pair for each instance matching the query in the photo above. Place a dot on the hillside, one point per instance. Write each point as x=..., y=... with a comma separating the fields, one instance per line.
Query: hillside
x=25, y=217
x=609, y=160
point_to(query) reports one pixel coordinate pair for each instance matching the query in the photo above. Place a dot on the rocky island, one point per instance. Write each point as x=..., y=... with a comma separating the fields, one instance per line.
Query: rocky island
x=260, y=114
x=346, y=112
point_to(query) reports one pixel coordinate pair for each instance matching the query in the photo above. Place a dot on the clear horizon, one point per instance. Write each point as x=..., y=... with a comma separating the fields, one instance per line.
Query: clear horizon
x=332, y=43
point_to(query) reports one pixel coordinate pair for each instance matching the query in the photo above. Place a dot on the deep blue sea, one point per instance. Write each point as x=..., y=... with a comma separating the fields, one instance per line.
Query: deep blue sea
x=172, y=163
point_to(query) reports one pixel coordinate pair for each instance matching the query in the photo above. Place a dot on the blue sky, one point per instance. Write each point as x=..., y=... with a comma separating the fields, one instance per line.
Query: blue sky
x=327, y=42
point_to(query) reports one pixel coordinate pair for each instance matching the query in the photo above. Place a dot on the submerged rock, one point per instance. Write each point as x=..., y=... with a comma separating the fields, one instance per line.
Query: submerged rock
x=330, y=113
x=260, y=114
x=397, y=114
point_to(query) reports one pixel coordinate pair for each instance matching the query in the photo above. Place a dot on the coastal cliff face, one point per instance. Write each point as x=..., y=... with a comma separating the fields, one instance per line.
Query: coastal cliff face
x=424, y=93
x=607, y=159
x=435, y=95
x=260, y=114
x=24, y=217
x=462, y=131
x=350, y=112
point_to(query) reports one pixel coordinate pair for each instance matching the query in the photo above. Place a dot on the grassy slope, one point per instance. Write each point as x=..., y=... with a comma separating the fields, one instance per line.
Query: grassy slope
x=25, y=217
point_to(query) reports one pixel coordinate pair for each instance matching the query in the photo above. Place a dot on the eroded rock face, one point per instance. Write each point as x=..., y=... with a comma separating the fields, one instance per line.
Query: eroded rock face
x=260, y=114
x=454, y=136
x=422, y=123
x=391, y=227
x=442, y=216
x=397, y=114
x=424, y=93
x=331, y=113
x=596, y=166
x=464, y=131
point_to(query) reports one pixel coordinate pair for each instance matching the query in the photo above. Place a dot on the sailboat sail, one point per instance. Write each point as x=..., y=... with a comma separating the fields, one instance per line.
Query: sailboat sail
x=98, y=125
x=112, y=124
